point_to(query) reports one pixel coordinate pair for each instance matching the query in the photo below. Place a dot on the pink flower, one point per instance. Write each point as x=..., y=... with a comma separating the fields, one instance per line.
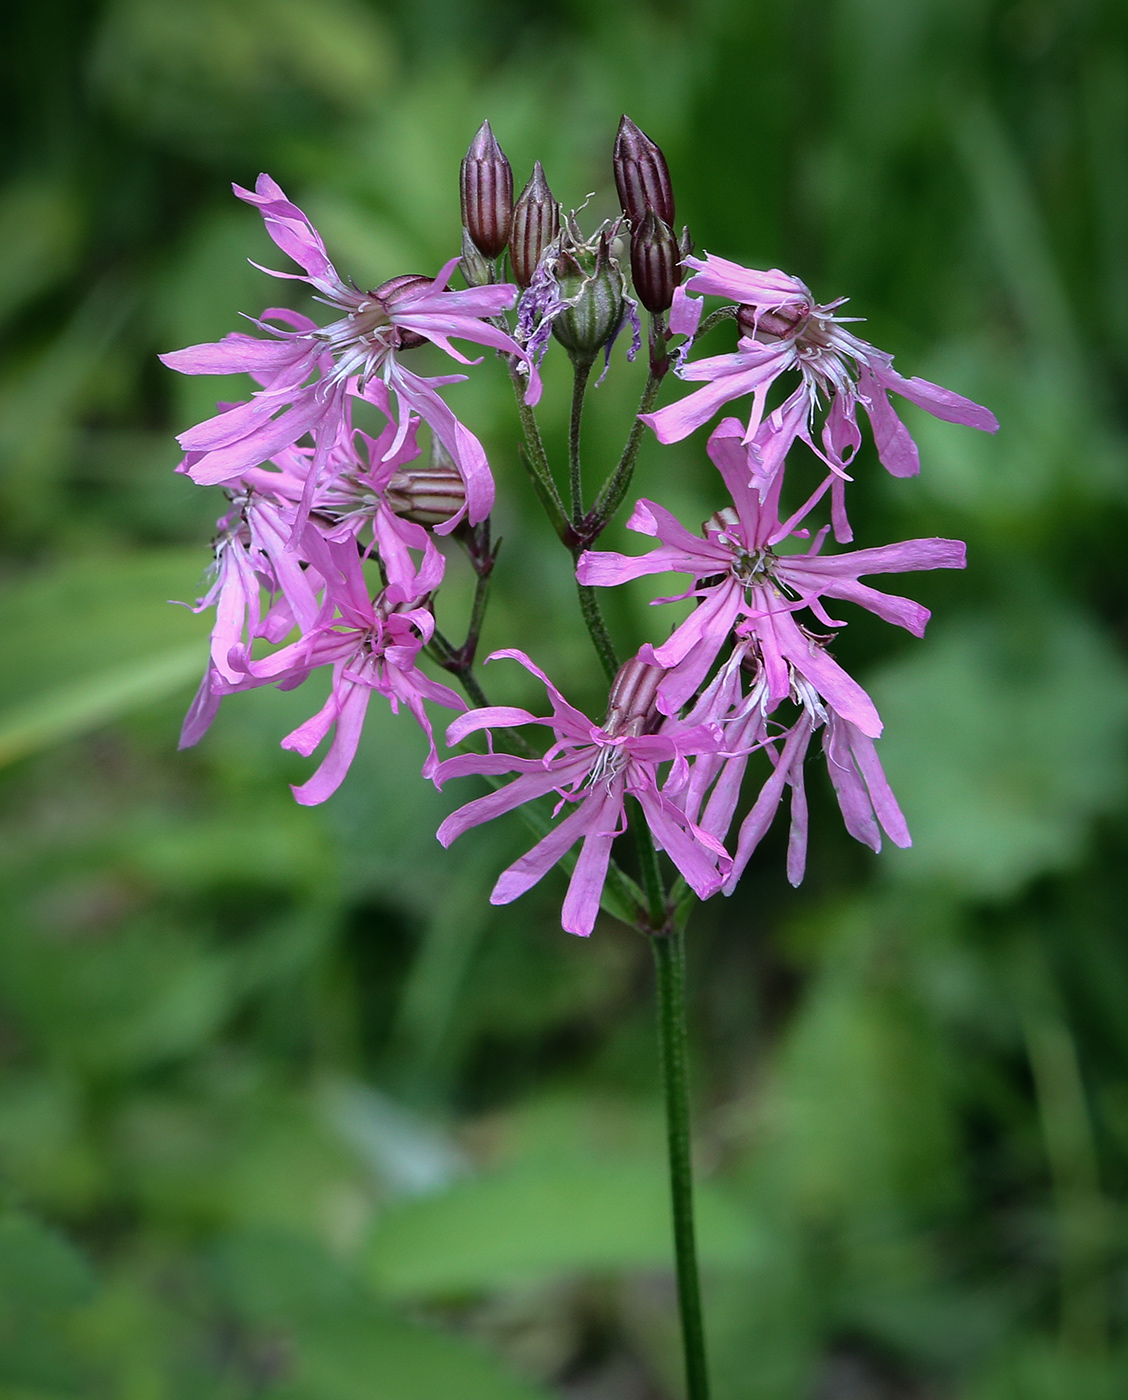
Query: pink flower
x=748, y=724
x=305, y=371
x=739, y=577
x=783, y=329
x=251, y=554
x=350, y=502
x=254, y=544
x=864, y=795
x=596, y=767
x=372, y=644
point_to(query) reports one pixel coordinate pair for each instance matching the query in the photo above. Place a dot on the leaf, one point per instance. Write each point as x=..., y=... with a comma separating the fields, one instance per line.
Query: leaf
x=42, y=1280
x=1004, y=738
x=541, y=1220
x=89, y=640
x=341, y=1344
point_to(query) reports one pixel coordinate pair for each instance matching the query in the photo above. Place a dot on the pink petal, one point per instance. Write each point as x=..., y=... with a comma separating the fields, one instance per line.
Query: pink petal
x=685, y=313
x=585, y=888
x=941, y=403
x=694, y=852
x=331, y=774
x=291, y=230
x=896, y=449
x=490, y=717
x=715, y=276
x=495, y=804
x=523, y=874
x=234, y=354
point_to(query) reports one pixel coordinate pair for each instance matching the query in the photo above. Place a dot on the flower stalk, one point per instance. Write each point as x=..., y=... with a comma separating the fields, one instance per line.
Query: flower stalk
x=669, y=961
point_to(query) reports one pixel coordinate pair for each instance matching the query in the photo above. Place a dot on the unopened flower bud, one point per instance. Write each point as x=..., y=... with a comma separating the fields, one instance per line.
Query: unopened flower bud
x=632, y=705
x=473, y=266
x=594, y=289
x=641, y=176
x=655, y=263
x=486, y=185
x=536, y=222
x=427, y=495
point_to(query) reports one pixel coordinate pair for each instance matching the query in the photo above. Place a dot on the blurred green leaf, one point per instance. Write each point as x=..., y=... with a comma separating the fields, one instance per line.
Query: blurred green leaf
x=542, y=1220
x=1005, y=736
x=1039, y=1369
x=858, y=1115
x=42, y=1280
x=223, y=73
x=90, y=640
x=340, y=1344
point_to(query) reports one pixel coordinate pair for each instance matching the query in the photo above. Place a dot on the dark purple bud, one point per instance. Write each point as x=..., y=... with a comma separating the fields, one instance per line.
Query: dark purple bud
x=655, y=263
x=641, y=176
x=632, y=705
x=486, y=183
x=536, y=222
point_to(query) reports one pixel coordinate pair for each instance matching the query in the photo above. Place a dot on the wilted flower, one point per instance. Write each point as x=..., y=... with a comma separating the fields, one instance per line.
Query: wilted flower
x=579, y=295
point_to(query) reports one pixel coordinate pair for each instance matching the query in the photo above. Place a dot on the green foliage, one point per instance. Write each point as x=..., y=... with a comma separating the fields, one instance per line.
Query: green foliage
x=286, y=1107
x=548, y=1219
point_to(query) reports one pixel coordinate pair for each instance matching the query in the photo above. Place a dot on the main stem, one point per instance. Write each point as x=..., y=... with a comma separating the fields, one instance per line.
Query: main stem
x=669, y=957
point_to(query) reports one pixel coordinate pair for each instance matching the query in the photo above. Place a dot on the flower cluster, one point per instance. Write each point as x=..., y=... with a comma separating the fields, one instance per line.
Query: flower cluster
x=327, y=554
x=312, y=497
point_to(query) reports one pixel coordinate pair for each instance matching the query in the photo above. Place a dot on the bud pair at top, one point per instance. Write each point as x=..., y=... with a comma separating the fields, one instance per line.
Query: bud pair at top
x=642, y=178
x=493, y=222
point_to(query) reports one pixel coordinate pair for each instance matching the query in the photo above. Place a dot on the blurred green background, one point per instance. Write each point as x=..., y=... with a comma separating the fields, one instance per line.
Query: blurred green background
x=286, y=1109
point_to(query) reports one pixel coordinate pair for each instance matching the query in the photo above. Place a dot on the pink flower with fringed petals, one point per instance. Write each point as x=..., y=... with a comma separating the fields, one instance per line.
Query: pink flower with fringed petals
x=784, y=329
x=740, y=578
x=306, y=371
x=372, y=644
x=253, y=546
x=864, y=796
x=595, y=767
x=749, y=724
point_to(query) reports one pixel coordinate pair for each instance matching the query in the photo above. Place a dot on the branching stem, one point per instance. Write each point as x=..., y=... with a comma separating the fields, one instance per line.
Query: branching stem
x=581, y=373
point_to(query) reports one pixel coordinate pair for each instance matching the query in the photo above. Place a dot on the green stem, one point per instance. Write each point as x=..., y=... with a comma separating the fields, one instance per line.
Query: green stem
x=581, y=374
x=649, y=868
x=477, y=611
x=597, y=629
x=714, y=319
x=669, y=957
x=618, y=483
x=536, y=459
